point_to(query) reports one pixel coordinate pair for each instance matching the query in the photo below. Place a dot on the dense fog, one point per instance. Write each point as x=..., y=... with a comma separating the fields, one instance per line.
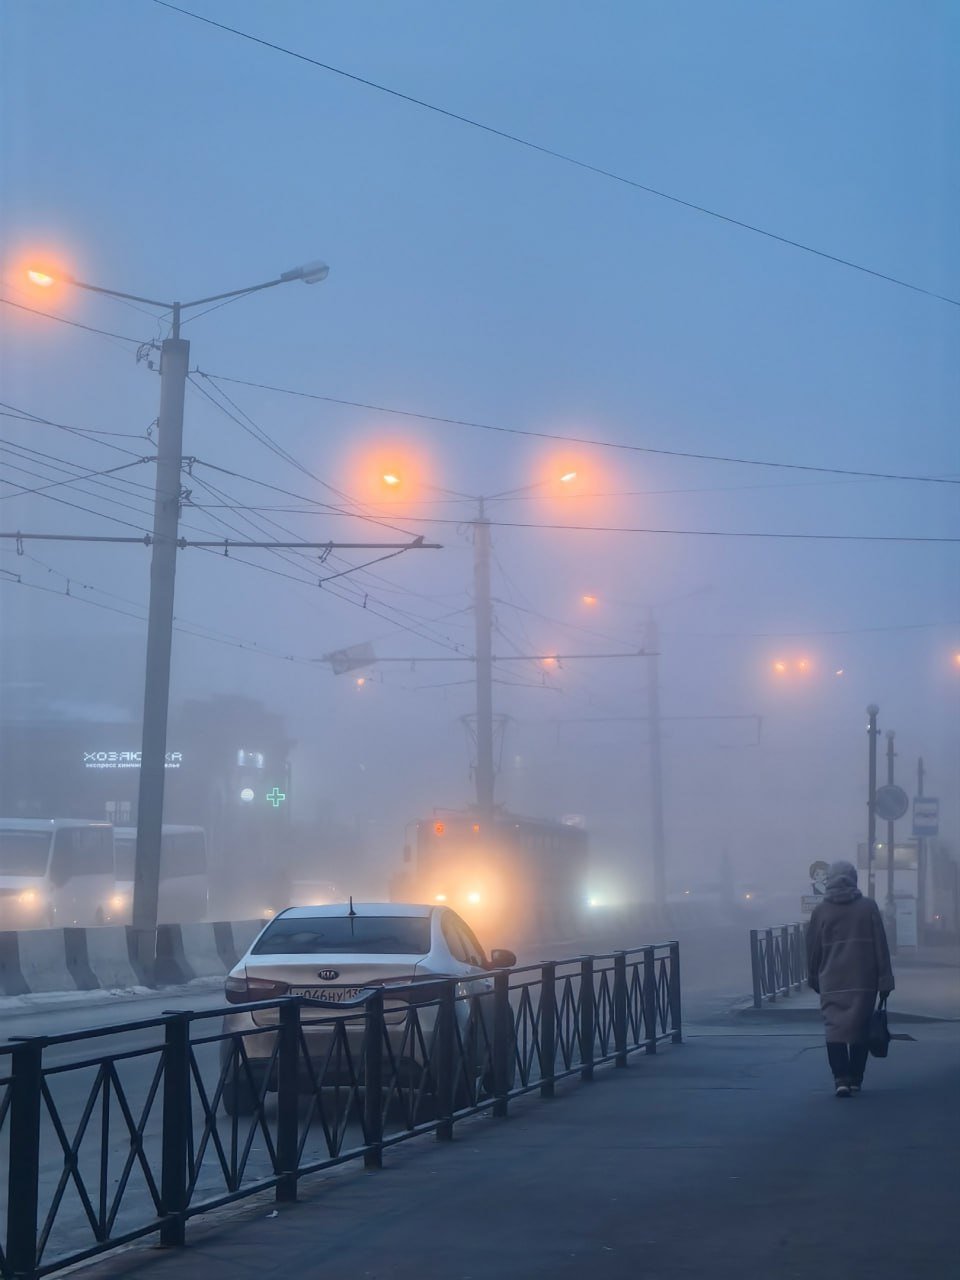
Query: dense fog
x=709, y=459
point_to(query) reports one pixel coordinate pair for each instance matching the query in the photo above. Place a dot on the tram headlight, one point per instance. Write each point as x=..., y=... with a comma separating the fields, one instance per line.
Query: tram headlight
x=473, y=897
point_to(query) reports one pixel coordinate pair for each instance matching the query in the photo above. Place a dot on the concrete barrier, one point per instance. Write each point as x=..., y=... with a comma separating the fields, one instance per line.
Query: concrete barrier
x=172, y=967
x=226, y=946
x=244, y=932
x=201, y=951
x=108, y=954
x=43, y=960
x=78, y=959
x=11, y=979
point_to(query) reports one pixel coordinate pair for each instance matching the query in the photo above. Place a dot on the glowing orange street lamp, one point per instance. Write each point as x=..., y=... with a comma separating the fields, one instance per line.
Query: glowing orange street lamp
x=391, y=479
x=174, y=370
x=568, y=477
x=589, y=600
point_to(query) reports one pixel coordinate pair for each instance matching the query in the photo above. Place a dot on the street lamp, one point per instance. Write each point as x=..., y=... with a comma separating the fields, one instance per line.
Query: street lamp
x=174, y=367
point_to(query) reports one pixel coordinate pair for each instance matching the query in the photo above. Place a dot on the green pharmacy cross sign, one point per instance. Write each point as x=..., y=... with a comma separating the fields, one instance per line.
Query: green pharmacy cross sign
x=276, y=796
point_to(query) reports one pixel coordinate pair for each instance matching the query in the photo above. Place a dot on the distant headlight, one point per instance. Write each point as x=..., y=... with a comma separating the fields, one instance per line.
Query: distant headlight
x=29, y=898
x=117, y=902
x=473, y=898
x=441, y=897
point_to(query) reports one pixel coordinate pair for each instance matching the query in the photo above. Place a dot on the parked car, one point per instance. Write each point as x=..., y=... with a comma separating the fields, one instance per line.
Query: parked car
x=332, y=955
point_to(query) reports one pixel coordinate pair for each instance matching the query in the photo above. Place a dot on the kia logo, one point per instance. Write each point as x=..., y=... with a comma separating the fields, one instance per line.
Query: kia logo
x=328, y=975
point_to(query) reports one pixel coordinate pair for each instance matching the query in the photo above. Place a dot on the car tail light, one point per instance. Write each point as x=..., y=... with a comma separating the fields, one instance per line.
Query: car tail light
x=415, y=990
x=246, y=990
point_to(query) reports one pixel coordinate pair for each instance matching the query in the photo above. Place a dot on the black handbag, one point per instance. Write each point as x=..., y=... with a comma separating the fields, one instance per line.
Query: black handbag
x=878, y=1033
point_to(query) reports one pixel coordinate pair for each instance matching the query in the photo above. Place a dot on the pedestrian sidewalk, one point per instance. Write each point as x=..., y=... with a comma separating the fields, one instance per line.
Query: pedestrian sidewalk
x=722, y=1157
x=928, y=988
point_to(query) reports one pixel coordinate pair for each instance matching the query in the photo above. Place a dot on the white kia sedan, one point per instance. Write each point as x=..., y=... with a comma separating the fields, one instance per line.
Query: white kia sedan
x=331, y=956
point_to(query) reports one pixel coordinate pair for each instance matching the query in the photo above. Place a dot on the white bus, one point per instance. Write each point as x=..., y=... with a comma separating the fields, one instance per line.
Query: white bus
x=183, y=874
x=55, y=872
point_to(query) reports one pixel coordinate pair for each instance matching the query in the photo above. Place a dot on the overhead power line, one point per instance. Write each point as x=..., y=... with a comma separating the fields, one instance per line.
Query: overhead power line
x=705, y=533
x=74, y=324
x=87, y=475
x=589, y=528
x=588, y=440
x=564, y=157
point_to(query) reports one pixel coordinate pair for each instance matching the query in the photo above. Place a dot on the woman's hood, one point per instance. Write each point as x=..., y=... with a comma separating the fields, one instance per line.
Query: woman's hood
x=841, y=884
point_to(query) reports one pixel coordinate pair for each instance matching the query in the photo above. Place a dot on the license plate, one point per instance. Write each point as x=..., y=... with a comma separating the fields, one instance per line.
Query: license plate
x=334, y=995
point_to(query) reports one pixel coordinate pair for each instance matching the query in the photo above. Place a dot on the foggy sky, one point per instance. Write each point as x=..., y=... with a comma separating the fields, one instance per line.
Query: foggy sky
x=476, y=280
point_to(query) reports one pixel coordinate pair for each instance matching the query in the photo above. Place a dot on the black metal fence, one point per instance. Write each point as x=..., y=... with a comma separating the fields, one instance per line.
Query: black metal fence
x=778, y=960
x=166, y=1118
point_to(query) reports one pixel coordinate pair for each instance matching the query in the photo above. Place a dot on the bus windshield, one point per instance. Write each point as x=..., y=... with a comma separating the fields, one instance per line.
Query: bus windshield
x=24, y=853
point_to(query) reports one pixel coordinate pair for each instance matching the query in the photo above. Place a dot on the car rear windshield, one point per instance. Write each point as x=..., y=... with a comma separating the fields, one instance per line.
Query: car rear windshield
x=363, y=935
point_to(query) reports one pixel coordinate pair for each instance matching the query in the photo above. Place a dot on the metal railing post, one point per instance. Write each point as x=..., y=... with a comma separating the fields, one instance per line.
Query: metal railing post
x=786, y=953
x=620, y=1009
x=548, y=1028
x=676, y=1021
x=288, y=1100
x=446, y=1059
x=373, y=1035
x=650, y=998
x=588, y=1027
x=800, y=941
x=771, y=965
x=26, y=1072
x=176, y=1126
x=756, y=970
x=502, y=1041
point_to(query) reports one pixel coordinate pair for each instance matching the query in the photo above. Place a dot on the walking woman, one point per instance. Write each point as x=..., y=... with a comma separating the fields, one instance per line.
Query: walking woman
x=848, y=963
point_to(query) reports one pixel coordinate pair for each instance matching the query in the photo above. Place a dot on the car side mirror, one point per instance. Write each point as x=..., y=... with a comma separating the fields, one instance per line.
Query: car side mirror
x=502, y=960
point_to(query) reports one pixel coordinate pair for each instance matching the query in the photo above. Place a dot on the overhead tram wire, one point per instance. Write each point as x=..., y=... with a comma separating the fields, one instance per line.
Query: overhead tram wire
x=88, y=475
x=88, y=436
x=563, y=157
x=592, y=442
x=261, y=436
x=253, y=428
x=343, y=591
x=15, y=579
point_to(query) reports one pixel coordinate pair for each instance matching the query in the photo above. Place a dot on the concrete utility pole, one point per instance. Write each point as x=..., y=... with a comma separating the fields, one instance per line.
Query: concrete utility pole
x=921, y=864
x=174, y=366
x=890, y=908
x=651, y=647
x=483, y=623
x=872, y=712
x=174, y=356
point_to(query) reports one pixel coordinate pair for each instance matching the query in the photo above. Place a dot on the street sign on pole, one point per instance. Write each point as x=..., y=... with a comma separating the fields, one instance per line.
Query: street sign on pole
x=926, y=816
x=891, y=802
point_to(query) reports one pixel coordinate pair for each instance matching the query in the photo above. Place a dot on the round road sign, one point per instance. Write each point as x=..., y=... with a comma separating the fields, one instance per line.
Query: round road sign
x=890, y=803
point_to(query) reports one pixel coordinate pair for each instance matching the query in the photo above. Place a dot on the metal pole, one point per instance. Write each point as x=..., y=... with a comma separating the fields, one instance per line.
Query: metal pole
x=872, y=711
x=652, y=647
x=174, y=365
x=890, y=908
x=921, y=865
x=483, y=621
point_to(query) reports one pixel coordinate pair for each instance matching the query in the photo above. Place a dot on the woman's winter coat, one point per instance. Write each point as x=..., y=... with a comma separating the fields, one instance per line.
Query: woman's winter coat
x=848, y=962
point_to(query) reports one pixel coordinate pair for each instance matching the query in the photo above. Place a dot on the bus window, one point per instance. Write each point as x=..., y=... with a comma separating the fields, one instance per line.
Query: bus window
x=184, y=853
x=82, y=851
x=24, y=853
